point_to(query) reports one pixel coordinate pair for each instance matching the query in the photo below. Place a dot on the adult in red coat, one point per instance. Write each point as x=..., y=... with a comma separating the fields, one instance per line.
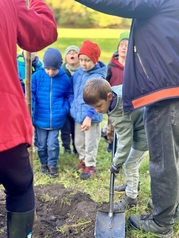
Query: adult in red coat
x=27, y=28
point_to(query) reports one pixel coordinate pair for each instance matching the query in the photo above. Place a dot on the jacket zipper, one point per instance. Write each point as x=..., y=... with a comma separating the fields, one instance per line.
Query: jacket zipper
x=51, y=103
x=140, y=61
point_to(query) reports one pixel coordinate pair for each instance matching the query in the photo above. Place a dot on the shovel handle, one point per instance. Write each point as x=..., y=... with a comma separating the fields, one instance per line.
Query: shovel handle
x=112, y=176
x=111, y=195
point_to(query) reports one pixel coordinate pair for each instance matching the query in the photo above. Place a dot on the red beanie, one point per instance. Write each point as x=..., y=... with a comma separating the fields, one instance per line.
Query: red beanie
x=90, y=49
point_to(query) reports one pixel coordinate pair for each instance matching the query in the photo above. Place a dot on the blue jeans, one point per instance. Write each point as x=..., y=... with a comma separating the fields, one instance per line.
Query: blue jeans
x=48, y=146
x=162, y=128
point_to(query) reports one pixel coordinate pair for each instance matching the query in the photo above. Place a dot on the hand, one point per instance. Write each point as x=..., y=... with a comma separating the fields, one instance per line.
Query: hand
x=114, y=169
x=86, y=124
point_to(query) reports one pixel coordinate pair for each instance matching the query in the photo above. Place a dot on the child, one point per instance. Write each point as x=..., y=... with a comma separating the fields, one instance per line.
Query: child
x=50, y=88
x=87, y=121
x=132, y=144
x=36, y=64
x=71, y=60
x=116, y=65
x=70, y=66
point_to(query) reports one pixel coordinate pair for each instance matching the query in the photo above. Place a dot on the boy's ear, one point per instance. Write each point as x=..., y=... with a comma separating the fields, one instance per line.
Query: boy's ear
x=109, y=96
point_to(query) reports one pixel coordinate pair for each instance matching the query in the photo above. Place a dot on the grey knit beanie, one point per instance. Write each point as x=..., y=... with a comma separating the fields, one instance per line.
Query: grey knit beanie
x=71, y=47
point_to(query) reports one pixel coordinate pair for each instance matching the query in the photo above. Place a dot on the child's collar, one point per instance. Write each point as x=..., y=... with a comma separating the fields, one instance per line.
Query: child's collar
x=113, y=102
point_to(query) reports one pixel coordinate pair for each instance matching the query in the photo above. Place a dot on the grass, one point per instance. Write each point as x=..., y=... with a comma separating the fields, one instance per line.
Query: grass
x=107, y=39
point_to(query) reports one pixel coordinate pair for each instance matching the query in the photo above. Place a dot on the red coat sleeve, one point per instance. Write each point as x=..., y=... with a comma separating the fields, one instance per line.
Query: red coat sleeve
x=36, y=25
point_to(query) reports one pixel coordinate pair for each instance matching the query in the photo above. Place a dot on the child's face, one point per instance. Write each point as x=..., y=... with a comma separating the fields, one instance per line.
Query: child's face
x=122, y=48
x=72, y=57
x=86, y=63
x=102, y=105
x=51, y=72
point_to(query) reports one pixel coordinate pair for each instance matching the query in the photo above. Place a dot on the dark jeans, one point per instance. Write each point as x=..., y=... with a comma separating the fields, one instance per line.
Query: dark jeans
x=67, y=132
x=17, y=178
x=162, y=127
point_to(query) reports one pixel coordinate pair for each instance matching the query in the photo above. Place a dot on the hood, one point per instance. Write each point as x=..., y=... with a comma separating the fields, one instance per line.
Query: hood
x=100, y=68
x=114, y=61
x=21, y=60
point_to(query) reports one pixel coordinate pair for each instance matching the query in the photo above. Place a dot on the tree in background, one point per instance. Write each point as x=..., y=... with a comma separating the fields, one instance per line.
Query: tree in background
x=68, y=13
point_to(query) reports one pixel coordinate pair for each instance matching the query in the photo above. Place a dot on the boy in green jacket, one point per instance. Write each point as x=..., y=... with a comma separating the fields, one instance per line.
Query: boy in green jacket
x=132, y=145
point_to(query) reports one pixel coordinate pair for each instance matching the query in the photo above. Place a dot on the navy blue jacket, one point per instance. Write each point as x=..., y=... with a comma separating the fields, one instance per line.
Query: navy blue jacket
x=152, y=65
x=50, y=99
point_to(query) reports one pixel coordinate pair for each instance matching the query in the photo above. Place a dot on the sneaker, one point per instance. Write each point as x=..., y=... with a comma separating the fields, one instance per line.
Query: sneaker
x=44, y=169
x=147, y=223
x=88, y=172
x=53, y=171
x=122, y=188
x=125, y=203
x=81, y=166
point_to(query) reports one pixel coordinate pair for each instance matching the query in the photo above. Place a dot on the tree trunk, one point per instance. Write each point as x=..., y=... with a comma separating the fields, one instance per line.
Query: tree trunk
x=28, y=93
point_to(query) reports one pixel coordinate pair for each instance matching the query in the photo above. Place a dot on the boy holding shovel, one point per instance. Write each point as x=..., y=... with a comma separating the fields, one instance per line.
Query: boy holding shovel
x=132, y=144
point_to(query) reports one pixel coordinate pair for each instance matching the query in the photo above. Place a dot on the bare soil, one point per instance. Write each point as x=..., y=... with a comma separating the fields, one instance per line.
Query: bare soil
x=60, y=213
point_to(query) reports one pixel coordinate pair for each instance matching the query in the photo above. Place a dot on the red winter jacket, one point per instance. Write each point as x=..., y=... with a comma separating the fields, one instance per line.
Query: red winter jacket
x=32, y=29
x=115, y=71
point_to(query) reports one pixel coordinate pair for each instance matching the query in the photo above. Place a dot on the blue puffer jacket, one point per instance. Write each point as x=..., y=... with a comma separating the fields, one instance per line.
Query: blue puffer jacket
x=50, y=99
x=79, y=109
x=152, y=64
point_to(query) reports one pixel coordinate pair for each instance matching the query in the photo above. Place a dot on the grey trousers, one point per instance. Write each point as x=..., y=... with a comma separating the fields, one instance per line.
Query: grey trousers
x=86, y=143
x=131, y=169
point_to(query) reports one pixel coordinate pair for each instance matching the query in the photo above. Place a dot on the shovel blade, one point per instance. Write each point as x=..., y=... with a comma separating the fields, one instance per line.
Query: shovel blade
x=109, y=227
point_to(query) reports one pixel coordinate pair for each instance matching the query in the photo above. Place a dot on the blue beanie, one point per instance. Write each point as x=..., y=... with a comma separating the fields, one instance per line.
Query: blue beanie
x=52, y=58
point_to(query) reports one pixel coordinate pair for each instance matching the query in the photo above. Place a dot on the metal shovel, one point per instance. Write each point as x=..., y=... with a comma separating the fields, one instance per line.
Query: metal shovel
x=110, y=224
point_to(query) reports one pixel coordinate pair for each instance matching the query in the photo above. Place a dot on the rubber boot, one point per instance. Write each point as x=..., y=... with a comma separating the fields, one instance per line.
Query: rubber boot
x=20, y=224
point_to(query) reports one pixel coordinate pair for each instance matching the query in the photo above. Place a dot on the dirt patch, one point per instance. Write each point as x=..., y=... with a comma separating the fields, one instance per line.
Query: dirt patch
x=60, y=212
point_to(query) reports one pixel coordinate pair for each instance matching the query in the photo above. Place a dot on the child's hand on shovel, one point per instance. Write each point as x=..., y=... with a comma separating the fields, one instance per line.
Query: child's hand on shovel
x=114, y=169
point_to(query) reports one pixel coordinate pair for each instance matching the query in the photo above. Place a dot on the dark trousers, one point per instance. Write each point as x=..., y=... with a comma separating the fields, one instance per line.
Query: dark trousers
x=17, y=178
x=162, y=127
x=68, y=132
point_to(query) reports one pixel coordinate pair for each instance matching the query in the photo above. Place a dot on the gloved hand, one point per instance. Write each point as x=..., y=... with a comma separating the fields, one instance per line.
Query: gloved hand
x=114, y=169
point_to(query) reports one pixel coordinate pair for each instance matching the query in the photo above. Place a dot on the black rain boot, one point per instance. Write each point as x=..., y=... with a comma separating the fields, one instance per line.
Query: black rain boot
x=20, y=224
